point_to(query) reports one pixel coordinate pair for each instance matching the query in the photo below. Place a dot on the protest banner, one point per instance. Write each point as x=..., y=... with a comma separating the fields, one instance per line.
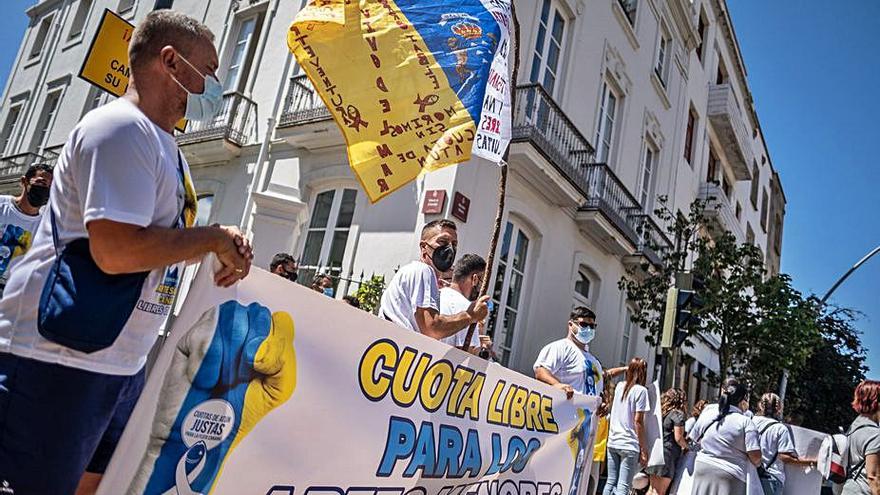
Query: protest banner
x=270, y=388
x=413, y=86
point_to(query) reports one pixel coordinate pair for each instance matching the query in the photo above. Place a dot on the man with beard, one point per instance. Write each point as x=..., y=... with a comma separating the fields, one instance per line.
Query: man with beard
x=20, y=215
x=467, y=275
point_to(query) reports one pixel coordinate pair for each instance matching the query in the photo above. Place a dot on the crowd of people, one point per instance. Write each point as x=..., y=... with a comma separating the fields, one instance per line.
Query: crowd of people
x=72, y=361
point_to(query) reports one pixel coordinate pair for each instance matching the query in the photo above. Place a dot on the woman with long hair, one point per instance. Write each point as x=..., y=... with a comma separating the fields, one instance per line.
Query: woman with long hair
x=673, y=406
x=864, y=442
x=627, y=444
x=777, y=445
x=728, y=443
x=695, y=413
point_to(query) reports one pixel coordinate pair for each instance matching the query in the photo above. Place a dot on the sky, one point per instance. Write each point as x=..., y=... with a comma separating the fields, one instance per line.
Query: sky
x=814, y=70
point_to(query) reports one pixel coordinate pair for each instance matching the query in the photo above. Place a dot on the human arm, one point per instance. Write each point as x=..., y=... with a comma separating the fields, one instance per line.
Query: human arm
x=544, y=375
x=614, y=372
x=438, y=326
x=794, y=460
x=119, y=247
x=642, y=436
x=680, y=437
x=872, y=472
x=754, y=457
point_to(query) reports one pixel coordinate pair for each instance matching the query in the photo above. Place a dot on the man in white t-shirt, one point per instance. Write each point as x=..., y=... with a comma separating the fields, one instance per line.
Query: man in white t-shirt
x=20, y=215
x=412, y=298
x=464, y=286
x=121, y=186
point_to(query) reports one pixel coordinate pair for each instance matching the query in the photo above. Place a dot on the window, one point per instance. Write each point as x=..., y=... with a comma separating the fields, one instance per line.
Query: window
x=721, y=76
x=548, y=47
x=777, y=235
x=756, y=179
x=40, y=39
x=726, y=186
x=703, y=29
x=47, y=117
x=605, y=129
x=739, y=211
x=327, y=236
x=125, y=6
x=689, y=136
x=629, y=8
x=506, y=295
x=626, y=337
x=648, y=166
x=764, y=200
x=660, y=69
x=750, y=234
x=9, y=127
x=712, y=167
x=582, y=286
x=203, y=215
x=241, y=54
x=95, y=99
x=79, y=19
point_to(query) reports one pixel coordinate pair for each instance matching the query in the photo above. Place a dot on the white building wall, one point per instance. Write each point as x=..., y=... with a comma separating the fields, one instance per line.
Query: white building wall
x=600, y=47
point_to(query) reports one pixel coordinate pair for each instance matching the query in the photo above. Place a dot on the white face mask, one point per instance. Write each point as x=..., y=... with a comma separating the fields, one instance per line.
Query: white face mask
x=205, y=105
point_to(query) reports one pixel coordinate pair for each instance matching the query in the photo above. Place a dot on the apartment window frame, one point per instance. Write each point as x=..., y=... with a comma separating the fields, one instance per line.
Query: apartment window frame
x=750, y=234
x=647, y=173
x=544, y=70
x=713, y=165
x=703, y=31
x=739, y=211
x=510, y=282
x=44, y=28
x=309, y=267
x=756, y=180
x=95, y=98
x=626, y=337
x=663, y=55
x=242, y=66
x=126, y=7
x=46, y=120
x=690, y=135
x=7, y=132
x=765, y=199
x=80, y=20
x=605, y=126
x=585, y=286
x=205, y=208
x=630, y=10
x=726, y=186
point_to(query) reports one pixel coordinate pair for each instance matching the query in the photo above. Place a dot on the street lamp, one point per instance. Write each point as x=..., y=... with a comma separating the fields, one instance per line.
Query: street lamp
x=783, y=384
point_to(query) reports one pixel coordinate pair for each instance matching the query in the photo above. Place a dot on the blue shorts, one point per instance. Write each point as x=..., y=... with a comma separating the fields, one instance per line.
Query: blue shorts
x=57, y=422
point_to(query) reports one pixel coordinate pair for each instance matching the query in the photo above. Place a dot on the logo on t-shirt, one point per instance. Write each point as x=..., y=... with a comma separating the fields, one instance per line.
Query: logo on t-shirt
x=14, y=243
x=591, y=377
x=164, y=293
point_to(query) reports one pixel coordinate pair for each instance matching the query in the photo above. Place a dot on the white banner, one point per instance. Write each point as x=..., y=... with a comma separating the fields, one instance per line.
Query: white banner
x=494, y=127
x=271, y=388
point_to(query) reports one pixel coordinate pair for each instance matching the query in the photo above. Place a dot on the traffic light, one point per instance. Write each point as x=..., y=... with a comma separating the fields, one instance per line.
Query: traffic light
x=679, y=315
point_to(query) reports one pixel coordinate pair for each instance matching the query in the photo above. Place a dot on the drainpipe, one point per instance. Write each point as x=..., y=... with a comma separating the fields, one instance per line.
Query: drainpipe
x=44, y=70
x=260, y=166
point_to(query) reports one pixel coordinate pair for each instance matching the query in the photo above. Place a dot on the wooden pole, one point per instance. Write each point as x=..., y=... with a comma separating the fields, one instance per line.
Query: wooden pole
x=502, y=181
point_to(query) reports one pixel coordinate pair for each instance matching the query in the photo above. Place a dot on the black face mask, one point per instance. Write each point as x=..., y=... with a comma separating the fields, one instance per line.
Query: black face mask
x=37, y=195
x=292, y=276
x=443, y=257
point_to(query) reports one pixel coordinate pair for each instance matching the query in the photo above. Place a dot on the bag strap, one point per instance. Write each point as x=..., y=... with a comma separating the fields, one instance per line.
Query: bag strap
x=707, y=429
x=856, y=471
x=775, y=454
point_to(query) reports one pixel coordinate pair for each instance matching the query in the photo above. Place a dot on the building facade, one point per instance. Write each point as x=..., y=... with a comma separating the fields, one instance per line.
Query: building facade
x=618, y=102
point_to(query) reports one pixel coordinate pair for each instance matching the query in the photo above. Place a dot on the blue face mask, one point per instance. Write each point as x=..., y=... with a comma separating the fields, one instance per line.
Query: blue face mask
x=328, y=291
x=205, y=105
x=585, y=334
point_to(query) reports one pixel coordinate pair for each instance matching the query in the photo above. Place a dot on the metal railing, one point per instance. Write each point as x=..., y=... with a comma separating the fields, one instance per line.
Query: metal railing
x=16, y=165
x=234, y=123
x=302, y=105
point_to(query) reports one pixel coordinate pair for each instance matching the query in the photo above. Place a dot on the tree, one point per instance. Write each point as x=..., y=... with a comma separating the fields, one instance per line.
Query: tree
x=763, y=325
x=820, y=393
x=369, y=293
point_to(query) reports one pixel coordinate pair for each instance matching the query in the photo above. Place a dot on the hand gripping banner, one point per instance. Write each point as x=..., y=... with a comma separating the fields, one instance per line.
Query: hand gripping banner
x=269, y=388
x=414, y=85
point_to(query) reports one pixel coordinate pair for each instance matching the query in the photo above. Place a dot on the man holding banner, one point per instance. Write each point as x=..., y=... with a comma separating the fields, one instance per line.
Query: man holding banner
x=412, y=299
x=86, y=305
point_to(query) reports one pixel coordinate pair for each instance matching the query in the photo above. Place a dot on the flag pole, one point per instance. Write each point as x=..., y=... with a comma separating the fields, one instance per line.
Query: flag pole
x=502, y=181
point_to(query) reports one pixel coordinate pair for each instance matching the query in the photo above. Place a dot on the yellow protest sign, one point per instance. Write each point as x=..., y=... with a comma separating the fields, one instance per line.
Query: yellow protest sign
x=106, y=62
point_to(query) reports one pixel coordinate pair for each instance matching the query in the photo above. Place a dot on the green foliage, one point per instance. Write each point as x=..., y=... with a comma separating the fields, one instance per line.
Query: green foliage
x=369, y=293
x=763, y=324
x=820, y=393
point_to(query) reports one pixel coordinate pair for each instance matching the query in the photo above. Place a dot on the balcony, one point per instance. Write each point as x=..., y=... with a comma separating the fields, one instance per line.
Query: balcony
x=547, y=151
x=12, y=167
x=305, y=122
x=729, y=124
x=234, y=125
x=719, y=212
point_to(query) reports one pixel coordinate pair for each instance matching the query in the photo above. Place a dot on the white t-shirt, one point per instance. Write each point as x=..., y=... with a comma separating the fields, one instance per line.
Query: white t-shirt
x=775, y=440
x=571, y=365
x=116, y=165
x=413, y=286
x=622, y=428
x=725, y=444
x=17, y=231
x=453, y=302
